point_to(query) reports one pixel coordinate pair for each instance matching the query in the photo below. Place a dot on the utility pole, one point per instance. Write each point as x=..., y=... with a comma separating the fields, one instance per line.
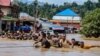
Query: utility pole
x=72, y=24
x=36, y=12
x=1, y=15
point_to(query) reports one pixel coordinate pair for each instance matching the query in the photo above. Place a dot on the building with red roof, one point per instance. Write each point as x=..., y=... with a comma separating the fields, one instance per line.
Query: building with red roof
x=5, y=6
x=5, y=2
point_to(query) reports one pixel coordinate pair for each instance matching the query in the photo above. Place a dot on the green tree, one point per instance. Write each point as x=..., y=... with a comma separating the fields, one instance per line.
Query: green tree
x=91, y=23
x=98, y=4
x=15, y=11
x=48, y=10
x=75, y=7
x=89, y=5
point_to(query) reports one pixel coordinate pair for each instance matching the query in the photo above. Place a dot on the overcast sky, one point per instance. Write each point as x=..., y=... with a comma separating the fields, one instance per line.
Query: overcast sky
x=60, y=2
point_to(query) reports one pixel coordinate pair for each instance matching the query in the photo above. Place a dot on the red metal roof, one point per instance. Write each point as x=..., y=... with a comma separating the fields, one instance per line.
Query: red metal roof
x=5, y=2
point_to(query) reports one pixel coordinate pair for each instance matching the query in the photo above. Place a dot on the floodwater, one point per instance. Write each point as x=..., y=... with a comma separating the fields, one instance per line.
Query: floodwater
x=76, y=36
x=25, y=48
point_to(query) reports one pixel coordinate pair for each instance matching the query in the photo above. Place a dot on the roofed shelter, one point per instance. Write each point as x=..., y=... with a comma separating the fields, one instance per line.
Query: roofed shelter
x=67, y=14
x=67, y=18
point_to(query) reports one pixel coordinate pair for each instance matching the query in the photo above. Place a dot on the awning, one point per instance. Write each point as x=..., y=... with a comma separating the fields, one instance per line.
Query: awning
x=56, y=27
x=65, y=21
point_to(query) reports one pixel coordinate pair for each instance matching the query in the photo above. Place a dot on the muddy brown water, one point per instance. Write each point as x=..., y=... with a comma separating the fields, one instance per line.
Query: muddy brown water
x=25, y=48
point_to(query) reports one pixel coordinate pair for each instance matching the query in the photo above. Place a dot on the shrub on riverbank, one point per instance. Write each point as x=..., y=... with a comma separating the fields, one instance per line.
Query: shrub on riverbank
x=91, y=24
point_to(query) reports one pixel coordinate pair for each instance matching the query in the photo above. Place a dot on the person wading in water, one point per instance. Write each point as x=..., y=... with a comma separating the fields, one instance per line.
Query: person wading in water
x=44, y=41
x=64, y=42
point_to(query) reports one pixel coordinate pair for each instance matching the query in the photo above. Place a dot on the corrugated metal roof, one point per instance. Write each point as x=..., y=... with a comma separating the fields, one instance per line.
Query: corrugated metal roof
x=67, y=12
x=47, y=25
x=25, y=17
x=5, y=2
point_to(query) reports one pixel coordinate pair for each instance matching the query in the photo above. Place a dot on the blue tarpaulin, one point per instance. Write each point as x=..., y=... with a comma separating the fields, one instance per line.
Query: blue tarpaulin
x=25, y=28
x=17, y=28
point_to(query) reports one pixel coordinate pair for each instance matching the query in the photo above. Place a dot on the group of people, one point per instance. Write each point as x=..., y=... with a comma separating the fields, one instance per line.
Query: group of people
x=18, y=35
x=42, y=39
x=58, y=41
x=22, y=32
x=45, y=40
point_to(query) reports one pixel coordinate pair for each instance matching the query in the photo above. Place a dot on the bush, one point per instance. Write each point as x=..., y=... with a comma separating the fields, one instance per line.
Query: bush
x=91, y=23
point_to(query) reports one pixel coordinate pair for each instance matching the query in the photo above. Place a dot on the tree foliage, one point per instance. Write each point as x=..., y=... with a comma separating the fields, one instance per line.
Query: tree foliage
x=46, y=10
x=15, y=11
x=91, y=23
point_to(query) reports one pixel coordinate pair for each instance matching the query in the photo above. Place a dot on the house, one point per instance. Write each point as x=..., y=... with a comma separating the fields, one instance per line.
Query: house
x=10, y=16
x=67, y=18
x=5, y=6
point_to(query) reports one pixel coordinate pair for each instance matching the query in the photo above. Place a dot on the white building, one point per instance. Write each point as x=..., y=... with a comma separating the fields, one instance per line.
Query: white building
x=67, y=14
x=67, y=18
